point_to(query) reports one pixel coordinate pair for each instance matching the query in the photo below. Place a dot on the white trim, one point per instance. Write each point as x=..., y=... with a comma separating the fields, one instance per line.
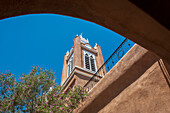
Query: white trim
x=70, y=55
x=88, y=46
x=90, y=50
x=69, y=67
x=83, y=40
x=86, y=70
x=82, y=74
x=72, y=73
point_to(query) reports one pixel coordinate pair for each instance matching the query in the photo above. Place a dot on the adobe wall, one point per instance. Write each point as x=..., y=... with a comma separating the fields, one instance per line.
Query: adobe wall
x=136, y=84
x=82, y=80
x=149, y=94
x=64, y=71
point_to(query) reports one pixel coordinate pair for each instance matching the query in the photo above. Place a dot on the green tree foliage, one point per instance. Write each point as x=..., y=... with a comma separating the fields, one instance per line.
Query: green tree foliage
x=37, y=92
x=7, y=92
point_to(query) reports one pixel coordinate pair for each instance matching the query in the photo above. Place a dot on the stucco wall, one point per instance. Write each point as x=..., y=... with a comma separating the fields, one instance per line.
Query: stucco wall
x=136, y=84
x=149, y=94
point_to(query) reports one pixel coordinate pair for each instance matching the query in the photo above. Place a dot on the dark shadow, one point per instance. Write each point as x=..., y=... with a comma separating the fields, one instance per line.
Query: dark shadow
x=158, y=9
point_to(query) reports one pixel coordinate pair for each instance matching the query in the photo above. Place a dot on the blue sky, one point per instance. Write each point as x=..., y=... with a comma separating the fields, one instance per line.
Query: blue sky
x=43, y=40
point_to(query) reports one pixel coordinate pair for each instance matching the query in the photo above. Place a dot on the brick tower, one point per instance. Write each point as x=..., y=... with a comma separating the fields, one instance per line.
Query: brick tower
x=81, y=63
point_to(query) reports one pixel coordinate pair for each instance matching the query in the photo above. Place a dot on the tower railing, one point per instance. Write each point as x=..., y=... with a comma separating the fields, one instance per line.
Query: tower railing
x=123, y=48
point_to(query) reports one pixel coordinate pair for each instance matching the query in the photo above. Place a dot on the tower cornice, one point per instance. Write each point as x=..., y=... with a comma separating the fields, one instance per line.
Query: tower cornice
x=79, y=70
x=88, y=49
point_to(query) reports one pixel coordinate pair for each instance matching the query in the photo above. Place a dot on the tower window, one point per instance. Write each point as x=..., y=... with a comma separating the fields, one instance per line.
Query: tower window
x=92, y=63
x=70, y=66
x=89, y=61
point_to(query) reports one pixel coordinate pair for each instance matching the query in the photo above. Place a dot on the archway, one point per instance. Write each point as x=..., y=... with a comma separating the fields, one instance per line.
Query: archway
x=120, y=16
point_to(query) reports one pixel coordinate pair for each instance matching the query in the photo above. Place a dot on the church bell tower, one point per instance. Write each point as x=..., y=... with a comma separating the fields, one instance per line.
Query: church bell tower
x=80, y=63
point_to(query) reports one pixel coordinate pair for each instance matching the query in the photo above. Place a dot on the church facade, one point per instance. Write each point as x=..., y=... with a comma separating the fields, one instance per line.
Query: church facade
x=80, y=63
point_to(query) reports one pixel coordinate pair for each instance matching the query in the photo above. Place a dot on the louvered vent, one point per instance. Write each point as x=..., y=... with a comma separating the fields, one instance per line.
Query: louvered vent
x=92, y=63
x=87, y=63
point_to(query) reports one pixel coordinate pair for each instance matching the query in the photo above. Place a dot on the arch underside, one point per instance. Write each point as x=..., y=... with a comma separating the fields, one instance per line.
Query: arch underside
x=121, y=16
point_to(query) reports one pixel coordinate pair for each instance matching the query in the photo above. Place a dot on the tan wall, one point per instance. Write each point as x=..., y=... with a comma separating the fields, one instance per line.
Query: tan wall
x=82, y=80
x=149, y=94
x=64, y=71
x=82, y=58
x=99, y=57
x=77, y=52
x=136, y=84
